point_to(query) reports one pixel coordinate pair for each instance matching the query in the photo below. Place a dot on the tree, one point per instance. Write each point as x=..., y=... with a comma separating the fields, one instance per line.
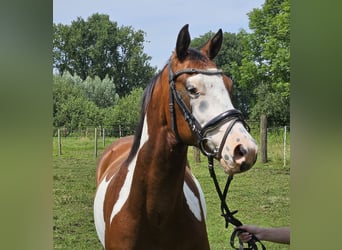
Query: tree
x=71, y=107
x=98, y=47
x=231, y=49
x=77, y=103
x=101, y=92
x=78, y=112
x=265, y=68
x=127, y=111
x=62, y=89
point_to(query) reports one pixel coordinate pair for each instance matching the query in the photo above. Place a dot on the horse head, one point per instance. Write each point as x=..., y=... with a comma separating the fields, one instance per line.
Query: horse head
x=201, y=110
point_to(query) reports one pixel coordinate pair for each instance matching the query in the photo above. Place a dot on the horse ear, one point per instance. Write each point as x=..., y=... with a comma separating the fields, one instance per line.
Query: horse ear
x=213, y=46
x=183, y=42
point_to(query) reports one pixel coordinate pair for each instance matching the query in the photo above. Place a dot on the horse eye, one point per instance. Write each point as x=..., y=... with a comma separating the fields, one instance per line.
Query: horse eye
x=192, y=90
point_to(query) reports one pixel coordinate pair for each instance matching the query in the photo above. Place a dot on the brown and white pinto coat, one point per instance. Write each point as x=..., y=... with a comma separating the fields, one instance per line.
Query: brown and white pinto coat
x=146, y=196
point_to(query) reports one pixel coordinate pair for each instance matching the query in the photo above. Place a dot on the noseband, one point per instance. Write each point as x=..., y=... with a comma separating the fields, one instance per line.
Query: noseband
x=232, y=116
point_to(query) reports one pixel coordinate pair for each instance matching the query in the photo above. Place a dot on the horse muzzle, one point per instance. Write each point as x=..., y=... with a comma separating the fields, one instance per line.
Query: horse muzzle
x=238, y=153
x=231, y=144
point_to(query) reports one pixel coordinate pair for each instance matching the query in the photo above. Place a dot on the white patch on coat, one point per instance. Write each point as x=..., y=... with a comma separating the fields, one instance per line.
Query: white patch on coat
x=192, y=202
x=202, y=199
x=98, y=209
x=126, y=188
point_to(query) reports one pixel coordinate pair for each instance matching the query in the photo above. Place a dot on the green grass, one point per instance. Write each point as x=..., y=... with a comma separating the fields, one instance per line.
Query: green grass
x=261, y=195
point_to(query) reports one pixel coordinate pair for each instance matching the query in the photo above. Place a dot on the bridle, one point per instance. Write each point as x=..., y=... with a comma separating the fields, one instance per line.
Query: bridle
x=233, y=116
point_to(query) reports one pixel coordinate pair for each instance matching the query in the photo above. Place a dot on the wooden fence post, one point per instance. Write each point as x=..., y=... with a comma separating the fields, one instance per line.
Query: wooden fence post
x=103, y=137
x=284, y=146
x=263, y=138
x=95, y=153
x=197, y=155
x=59, y=141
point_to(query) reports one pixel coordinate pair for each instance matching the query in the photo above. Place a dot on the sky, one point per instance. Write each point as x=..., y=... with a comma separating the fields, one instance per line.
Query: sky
x=162, y=20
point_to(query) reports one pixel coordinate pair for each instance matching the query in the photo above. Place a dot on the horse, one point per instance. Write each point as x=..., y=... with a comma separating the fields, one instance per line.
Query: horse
x=146, y=196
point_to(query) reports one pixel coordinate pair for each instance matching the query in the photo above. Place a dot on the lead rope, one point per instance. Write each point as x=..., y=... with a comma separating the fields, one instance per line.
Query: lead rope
x=229, y=215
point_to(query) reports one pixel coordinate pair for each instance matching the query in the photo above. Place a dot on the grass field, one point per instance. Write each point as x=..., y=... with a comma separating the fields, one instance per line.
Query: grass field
x=261, y=195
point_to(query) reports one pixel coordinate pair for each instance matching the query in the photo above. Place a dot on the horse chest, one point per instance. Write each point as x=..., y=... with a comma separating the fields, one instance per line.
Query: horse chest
x=129, y=231
x=126, y=217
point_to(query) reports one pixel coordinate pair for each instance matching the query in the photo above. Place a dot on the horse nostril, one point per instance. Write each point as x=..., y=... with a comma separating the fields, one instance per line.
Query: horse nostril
x=239, y=151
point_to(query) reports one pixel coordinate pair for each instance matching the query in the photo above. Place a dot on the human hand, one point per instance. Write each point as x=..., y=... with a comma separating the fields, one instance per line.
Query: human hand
x=277, y=235
x=248, y=231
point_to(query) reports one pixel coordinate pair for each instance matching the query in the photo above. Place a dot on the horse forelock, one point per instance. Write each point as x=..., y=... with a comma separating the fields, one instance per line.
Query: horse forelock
x=196, y=55
x=194, y=59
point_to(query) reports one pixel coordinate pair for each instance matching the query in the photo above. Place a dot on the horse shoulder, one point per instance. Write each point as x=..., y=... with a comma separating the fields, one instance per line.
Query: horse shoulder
x=109, y=165
x=113, y=157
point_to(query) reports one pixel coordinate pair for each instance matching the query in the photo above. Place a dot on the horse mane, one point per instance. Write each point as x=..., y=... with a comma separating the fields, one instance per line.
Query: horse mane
x=146, y=97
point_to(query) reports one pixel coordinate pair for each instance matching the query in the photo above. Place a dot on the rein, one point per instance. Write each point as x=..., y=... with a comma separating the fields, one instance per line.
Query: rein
x=229, y=215
x=231, y=116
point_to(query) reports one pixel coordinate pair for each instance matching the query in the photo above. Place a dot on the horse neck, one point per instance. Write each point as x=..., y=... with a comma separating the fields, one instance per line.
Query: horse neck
x=164, y=161
x=168, y=153
x=161, y=162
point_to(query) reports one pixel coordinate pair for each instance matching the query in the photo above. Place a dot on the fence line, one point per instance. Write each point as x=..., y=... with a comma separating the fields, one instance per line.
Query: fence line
x=118, y=130
x=278, y=136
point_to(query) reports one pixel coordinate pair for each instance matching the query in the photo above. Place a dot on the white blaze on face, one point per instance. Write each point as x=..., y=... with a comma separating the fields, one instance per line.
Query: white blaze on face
x=213, y=98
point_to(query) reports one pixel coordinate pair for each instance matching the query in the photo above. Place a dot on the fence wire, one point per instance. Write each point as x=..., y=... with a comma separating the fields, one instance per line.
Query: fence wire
x=278, y=138
x=88, y=131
